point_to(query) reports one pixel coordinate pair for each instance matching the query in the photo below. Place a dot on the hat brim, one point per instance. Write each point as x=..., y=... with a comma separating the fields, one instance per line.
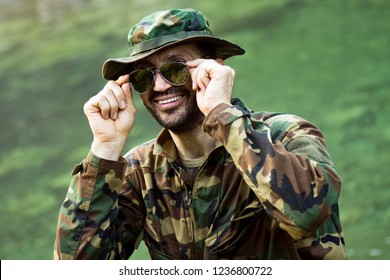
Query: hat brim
x=115, y=67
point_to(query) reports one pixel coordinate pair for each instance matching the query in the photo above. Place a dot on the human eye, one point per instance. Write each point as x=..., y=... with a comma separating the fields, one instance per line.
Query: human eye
x=176, y=58
x=180, y=60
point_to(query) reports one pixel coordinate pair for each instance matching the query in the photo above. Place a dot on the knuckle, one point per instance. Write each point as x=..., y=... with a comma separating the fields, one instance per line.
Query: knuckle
x=111, y=83
x=85, y=107
x=114, y=107
x=90, y=103
x=109, y=87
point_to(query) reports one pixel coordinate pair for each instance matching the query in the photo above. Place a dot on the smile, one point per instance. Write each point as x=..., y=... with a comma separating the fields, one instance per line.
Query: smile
x=169, y=100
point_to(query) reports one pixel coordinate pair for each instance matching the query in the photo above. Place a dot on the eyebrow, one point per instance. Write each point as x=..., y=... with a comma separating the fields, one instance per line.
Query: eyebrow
x=147, y=64
x=143, y=64
x=173, y=57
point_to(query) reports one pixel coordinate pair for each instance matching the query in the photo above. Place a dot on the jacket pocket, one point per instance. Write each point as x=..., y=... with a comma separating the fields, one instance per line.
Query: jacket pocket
x=224, y=241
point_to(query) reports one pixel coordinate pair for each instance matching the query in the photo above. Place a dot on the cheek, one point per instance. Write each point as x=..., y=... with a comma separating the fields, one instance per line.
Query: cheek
x=188, y=85
x=146, y=99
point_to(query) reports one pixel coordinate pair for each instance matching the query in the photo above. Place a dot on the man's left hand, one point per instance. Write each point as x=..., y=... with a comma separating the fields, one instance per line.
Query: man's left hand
x=213, y=82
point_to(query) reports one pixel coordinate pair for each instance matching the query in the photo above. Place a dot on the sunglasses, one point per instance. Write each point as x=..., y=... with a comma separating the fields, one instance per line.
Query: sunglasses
x=174, y=73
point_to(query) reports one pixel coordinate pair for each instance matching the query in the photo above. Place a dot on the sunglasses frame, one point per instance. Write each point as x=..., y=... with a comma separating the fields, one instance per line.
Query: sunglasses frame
x=162, y=75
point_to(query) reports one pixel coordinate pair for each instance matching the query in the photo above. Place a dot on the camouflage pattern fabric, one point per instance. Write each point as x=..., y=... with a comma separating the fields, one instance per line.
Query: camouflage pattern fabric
x=163, y=29
x=268, y=190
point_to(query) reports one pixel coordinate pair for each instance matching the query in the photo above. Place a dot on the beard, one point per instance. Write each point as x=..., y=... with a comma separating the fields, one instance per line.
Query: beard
x=179, y=120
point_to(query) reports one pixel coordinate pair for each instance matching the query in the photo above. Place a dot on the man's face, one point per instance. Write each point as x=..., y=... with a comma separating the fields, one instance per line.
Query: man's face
x=174, y=107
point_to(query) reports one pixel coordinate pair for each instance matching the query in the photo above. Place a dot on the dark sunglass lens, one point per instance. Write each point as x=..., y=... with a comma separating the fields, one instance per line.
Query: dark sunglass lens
x=176, y=73
x=141, y=80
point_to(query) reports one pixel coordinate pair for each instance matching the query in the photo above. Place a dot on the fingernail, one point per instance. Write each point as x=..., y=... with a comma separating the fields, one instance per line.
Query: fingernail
x=115, y=115
x=123, y=104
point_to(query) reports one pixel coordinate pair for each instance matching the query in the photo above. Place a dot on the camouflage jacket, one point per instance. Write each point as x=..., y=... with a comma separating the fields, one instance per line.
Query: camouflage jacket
x=268, y=190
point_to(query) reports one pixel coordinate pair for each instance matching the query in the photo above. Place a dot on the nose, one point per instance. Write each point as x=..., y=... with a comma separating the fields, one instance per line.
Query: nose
x=160, y=84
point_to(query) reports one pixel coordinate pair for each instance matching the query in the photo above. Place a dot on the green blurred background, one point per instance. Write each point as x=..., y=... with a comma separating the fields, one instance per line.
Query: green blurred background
x=327, y=61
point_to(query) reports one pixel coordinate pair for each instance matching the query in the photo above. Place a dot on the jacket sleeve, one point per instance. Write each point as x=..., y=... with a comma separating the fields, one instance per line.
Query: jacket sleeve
x=100, y=217
x=284, y=160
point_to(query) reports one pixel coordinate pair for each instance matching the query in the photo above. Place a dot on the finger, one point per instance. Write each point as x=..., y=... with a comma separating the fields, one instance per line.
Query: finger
x=194, y=63
x=108, y=101
x=116, y=88
x=122, y=98
x=200, y=73
x=122, y=80
x=119, y=95
x=202, y=78
x=113, y=103
x=129, y=98
x=92, y=105
x=104, y=106
x=111, y=91
x=194, y=73
x=97, y=104
x=119, y=89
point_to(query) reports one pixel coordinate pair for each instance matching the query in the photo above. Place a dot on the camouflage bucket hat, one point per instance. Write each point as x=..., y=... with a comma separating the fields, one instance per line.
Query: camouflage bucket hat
x=163, y=29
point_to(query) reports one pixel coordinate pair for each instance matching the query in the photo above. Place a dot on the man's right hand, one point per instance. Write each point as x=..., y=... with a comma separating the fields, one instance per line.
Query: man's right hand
x=111, y=115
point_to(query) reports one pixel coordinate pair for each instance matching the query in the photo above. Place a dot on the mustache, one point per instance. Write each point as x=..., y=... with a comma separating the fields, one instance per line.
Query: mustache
x=170, y=91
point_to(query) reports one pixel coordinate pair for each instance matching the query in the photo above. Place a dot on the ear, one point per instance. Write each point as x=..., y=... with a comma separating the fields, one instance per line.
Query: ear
x=220, y=61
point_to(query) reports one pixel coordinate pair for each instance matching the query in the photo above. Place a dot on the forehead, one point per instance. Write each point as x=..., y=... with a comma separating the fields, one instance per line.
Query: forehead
x=187, y=52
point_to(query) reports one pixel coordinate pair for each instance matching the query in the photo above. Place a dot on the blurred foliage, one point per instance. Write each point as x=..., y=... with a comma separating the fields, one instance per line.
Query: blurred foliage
x=327, y=61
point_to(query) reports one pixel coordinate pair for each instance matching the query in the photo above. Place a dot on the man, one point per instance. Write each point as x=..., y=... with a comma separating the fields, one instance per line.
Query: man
x=219, y=182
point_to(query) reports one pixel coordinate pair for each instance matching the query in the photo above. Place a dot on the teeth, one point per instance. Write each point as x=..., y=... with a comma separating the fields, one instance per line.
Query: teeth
x=173, y=99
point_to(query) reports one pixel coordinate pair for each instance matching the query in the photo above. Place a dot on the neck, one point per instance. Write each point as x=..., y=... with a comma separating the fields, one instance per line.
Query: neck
x=193, y=144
